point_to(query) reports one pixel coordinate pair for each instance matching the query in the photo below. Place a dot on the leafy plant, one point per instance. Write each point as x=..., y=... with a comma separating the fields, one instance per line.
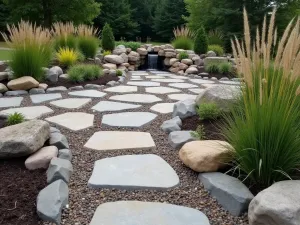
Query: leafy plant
x=80, y=73
x=105, y=53
x=88, y=46
x=66, y=56
x=264, y=128
x=130, y=44
x=217, y=49
x=208, y=111
x=201, y=42
x=215, y=37
x=225, y=68
x=212, y=68
x=119, y=73
x=199, y=133
x=183, y=55
x=185, y=43
x=15, y=118
x=108, y=39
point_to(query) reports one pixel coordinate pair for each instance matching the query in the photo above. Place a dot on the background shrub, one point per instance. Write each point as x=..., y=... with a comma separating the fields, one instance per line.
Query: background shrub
x=225, y=68
x=201, y=42
x=88, y=46
x=15, y=118
x=66, y=57
x=183, y=55
x=212, y=68
x=208, y=111
x=215, y=37
x=108, y=39
x=217, y=49
x=80, y=73
x=185, y=43
x=130, y=44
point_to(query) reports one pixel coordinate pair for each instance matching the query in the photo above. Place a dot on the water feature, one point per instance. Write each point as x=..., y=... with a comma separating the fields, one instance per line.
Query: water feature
x=152, y=61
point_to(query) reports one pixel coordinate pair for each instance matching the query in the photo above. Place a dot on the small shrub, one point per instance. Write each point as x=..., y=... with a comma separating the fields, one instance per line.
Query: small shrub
x=105, y=53
x=217, y=49
x=212, y=68
x=199, y=133
x=66, y=57
x=225, y=68
x=208, y=111
x=108, y=39
x=80, y=73
x=201, y=42
x=119, y=73
x=15, y=118
x=130, y=44
x=215, y=37
x=185, y=43
x=68, y=41
x=88, y=45
x=183, y=55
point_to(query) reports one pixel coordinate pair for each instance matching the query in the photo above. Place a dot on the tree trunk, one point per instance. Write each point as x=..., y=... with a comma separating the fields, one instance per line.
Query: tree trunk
x=47, y=13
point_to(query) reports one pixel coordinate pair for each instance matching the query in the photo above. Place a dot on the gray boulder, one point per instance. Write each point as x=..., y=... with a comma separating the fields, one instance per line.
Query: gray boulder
x=115, y=59
x=211, y=54
x=23, y=139
x=51, y=200
x=3, y=88
x=34, y=91
x=92, y=86
x=276, y=205
x=122, y=79
x=178, y=138
x=59, y=169
x=76, y=88
x=16, y=93
x=52, y=76
x=56, y=89
x=172, y=125
x=112, y=83
x=65, y=154
x=3, y=76
x=185, y=108
x=54, y=130
x=229, y=191
x=59, y=140
x=57, y=70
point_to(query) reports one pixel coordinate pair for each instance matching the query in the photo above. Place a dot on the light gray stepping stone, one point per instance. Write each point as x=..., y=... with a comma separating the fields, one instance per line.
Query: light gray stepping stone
x=135, y=77
x=144, y=83
x=133, y=172
x=139, y=73
x=147, y=213
x=137, y=98
x=122, y=89
x=88, y=93
x=178, y=138
x=178, y=77
x=44, y=97
x=71, y=103
x=56, y=89
x=200, y=81
x=155, y=77
x=209, y=85
x=197, y=90
x=10, y=102
x=74, y=121
x=161, y=90
x=31, y=112
x=107, y=106
x=16, y=93
x=163, y=108
x=183, y=85
x=230, y=82
x=168, y=80
x=120, y=140
x=128, y=119
x=181, y=97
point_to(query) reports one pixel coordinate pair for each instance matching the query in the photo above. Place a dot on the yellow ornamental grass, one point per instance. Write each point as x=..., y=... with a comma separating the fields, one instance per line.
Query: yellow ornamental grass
x=66, y=57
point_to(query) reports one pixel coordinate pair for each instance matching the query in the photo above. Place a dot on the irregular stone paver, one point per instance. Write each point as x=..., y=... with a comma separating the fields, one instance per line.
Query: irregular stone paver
x=44, y=97
x=137, y=98
x=30, y=113
x=128, y=119
x=144, y=83
x=200, y=81
x=136, y=77
x=133, y=172
x=120, y=140
x=230, y=82
x=180, y=97
x=88, y=93
x=107, y=106
x=71, y=103
x=73, y=120
x=147, y=213
x=10, y=102
x=178, y=77
x=122, y=89
x=163, y=108
x=161, y=90
x=209, y=85
x=168, y=80
x=156, y=77
x=197, y=90
x=183, y=85
x=139, y=74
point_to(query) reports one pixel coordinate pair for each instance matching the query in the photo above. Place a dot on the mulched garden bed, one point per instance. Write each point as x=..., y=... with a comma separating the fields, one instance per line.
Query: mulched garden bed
x=220, y=75
x=2, y=122
x=19, y=188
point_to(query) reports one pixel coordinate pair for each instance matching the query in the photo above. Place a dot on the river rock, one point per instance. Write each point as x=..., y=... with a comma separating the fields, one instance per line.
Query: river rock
x=22, y=83
x=115, y=59
x=41, y=158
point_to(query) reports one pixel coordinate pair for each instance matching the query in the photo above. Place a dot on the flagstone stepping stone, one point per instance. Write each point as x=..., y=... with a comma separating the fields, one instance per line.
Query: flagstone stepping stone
x=168, y=80
x=128, y=119
x=71, y=103
x=181, y=97
x=144, y=84
x=137, y=98
x=44, y=97
x=139, y=74
x=136, y=77
x=161, y=90
x=147, y=213
x=197, y=90
x=200, y=81
x=30, y=113
x=209, y=85
x=156, y=77
x=160, y=72
x=178, y=77
x=133, y=172
x=107, y=106
x=163, y=108
x=230, y=82
x=74, y=121
x=10, y=102
x=120, y=140
x=88, y=93
x=122, y=89
x=183, y=85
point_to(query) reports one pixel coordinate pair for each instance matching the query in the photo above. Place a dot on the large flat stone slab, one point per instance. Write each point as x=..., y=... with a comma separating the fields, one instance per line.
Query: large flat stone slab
x=147, y=213
x=183, y=85
x=122, y=89
x=108, y=106
x=144, y=83
x=197, y=90
x=120, y=140
x=155, y=77
x=230, y=82
x=178, y=77
x=88, y=93
x=168, y=80
x=181, y=97
x=128, y=119
x=137, y=98
x=10, y=102
x=30, y=113
x=133, y=172
x=44, y=97
x=71, y=103
x=163, y=108
x=74, y=121
x=161, y=90
x=201, y=81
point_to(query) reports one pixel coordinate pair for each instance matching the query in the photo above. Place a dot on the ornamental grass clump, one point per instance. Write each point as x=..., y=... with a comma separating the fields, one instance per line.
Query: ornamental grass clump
x=264, y=128
x=88, y=42
x=64, y=35
x=66, y=57
x=183, y=38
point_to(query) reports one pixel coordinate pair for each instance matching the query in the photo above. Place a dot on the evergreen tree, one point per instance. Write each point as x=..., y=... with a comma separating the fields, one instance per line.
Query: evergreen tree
x=108, y=39
x=168, y=16
x=201, y=42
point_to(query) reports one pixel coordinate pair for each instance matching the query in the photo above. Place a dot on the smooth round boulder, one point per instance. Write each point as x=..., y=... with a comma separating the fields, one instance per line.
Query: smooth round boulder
x=109, y=66
x=115, y=59
x=23, y=83
x=187, y=61
x=41, y=158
